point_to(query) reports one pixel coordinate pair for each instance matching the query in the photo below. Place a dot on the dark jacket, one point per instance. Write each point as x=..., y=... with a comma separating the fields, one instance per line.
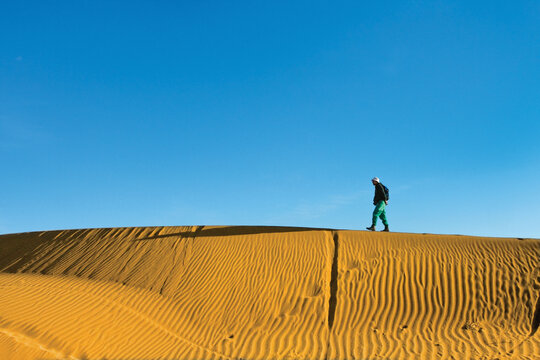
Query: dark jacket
x=379, y=194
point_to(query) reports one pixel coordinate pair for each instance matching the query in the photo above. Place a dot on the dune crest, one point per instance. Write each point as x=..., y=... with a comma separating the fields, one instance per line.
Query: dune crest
x=233, y=292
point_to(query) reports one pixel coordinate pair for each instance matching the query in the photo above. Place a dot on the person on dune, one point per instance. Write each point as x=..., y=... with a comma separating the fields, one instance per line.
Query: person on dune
x=380, y=201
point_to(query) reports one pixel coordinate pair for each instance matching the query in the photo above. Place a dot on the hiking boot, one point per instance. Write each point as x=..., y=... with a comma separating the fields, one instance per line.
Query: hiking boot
x=385, y=228
x=371, y=228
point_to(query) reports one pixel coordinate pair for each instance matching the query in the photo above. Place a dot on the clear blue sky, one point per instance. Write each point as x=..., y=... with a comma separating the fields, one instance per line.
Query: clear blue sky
x=132, y=113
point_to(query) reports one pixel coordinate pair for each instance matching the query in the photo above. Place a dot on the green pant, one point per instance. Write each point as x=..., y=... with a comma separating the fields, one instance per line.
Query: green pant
x=380, y=211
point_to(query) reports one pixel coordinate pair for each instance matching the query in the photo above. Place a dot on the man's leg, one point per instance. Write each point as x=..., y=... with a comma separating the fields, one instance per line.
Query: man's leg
x=383, y=217
x=379, y=210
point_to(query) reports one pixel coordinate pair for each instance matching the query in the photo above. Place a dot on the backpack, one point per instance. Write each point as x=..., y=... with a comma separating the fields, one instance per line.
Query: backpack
x=386, y=192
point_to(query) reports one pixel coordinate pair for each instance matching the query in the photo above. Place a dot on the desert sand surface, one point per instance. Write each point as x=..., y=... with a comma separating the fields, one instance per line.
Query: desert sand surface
x=242, y=292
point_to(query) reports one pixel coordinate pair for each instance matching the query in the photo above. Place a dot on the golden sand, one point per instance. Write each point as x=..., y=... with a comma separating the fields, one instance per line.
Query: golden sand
x=267, y=293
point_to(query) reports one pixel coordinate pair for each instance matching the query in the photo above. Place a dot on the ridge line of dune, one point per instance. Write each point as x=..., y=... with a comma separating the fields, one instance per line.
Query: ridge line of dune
x=136, y=313
x=32, y=343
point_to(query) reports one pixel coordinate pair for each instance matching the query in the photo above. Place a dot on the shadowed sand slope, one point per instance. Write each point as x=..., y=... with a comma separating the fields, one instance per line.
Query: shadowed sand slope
x=266, y=293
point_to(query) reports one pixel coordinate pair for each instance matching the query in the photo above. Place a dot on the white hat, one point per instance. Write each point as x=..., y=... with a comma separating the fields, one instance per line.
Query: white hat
x=376, y=179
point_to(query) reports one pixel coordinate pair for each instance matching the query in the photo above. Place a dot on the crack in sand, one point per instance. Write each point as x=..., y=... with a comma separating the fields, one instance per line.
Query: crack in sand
x=333, y=283
x=535, y=322
x=332, y=301
x=536, y=318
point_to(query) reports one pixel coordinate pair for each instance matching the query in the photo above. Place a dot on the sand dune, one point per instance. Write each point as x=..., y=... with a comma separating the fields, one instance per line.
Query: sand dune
x=267, y=293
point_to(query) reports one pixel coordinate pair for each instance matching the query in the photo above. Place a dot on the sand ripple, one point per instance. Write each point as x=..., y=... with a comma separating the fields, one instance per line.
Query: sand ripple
x=266, y=293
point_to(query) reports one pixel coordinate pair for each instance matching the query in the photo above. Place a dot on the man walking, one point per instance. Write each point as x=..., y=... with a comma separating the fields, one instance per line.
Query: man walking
x=380, y=201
